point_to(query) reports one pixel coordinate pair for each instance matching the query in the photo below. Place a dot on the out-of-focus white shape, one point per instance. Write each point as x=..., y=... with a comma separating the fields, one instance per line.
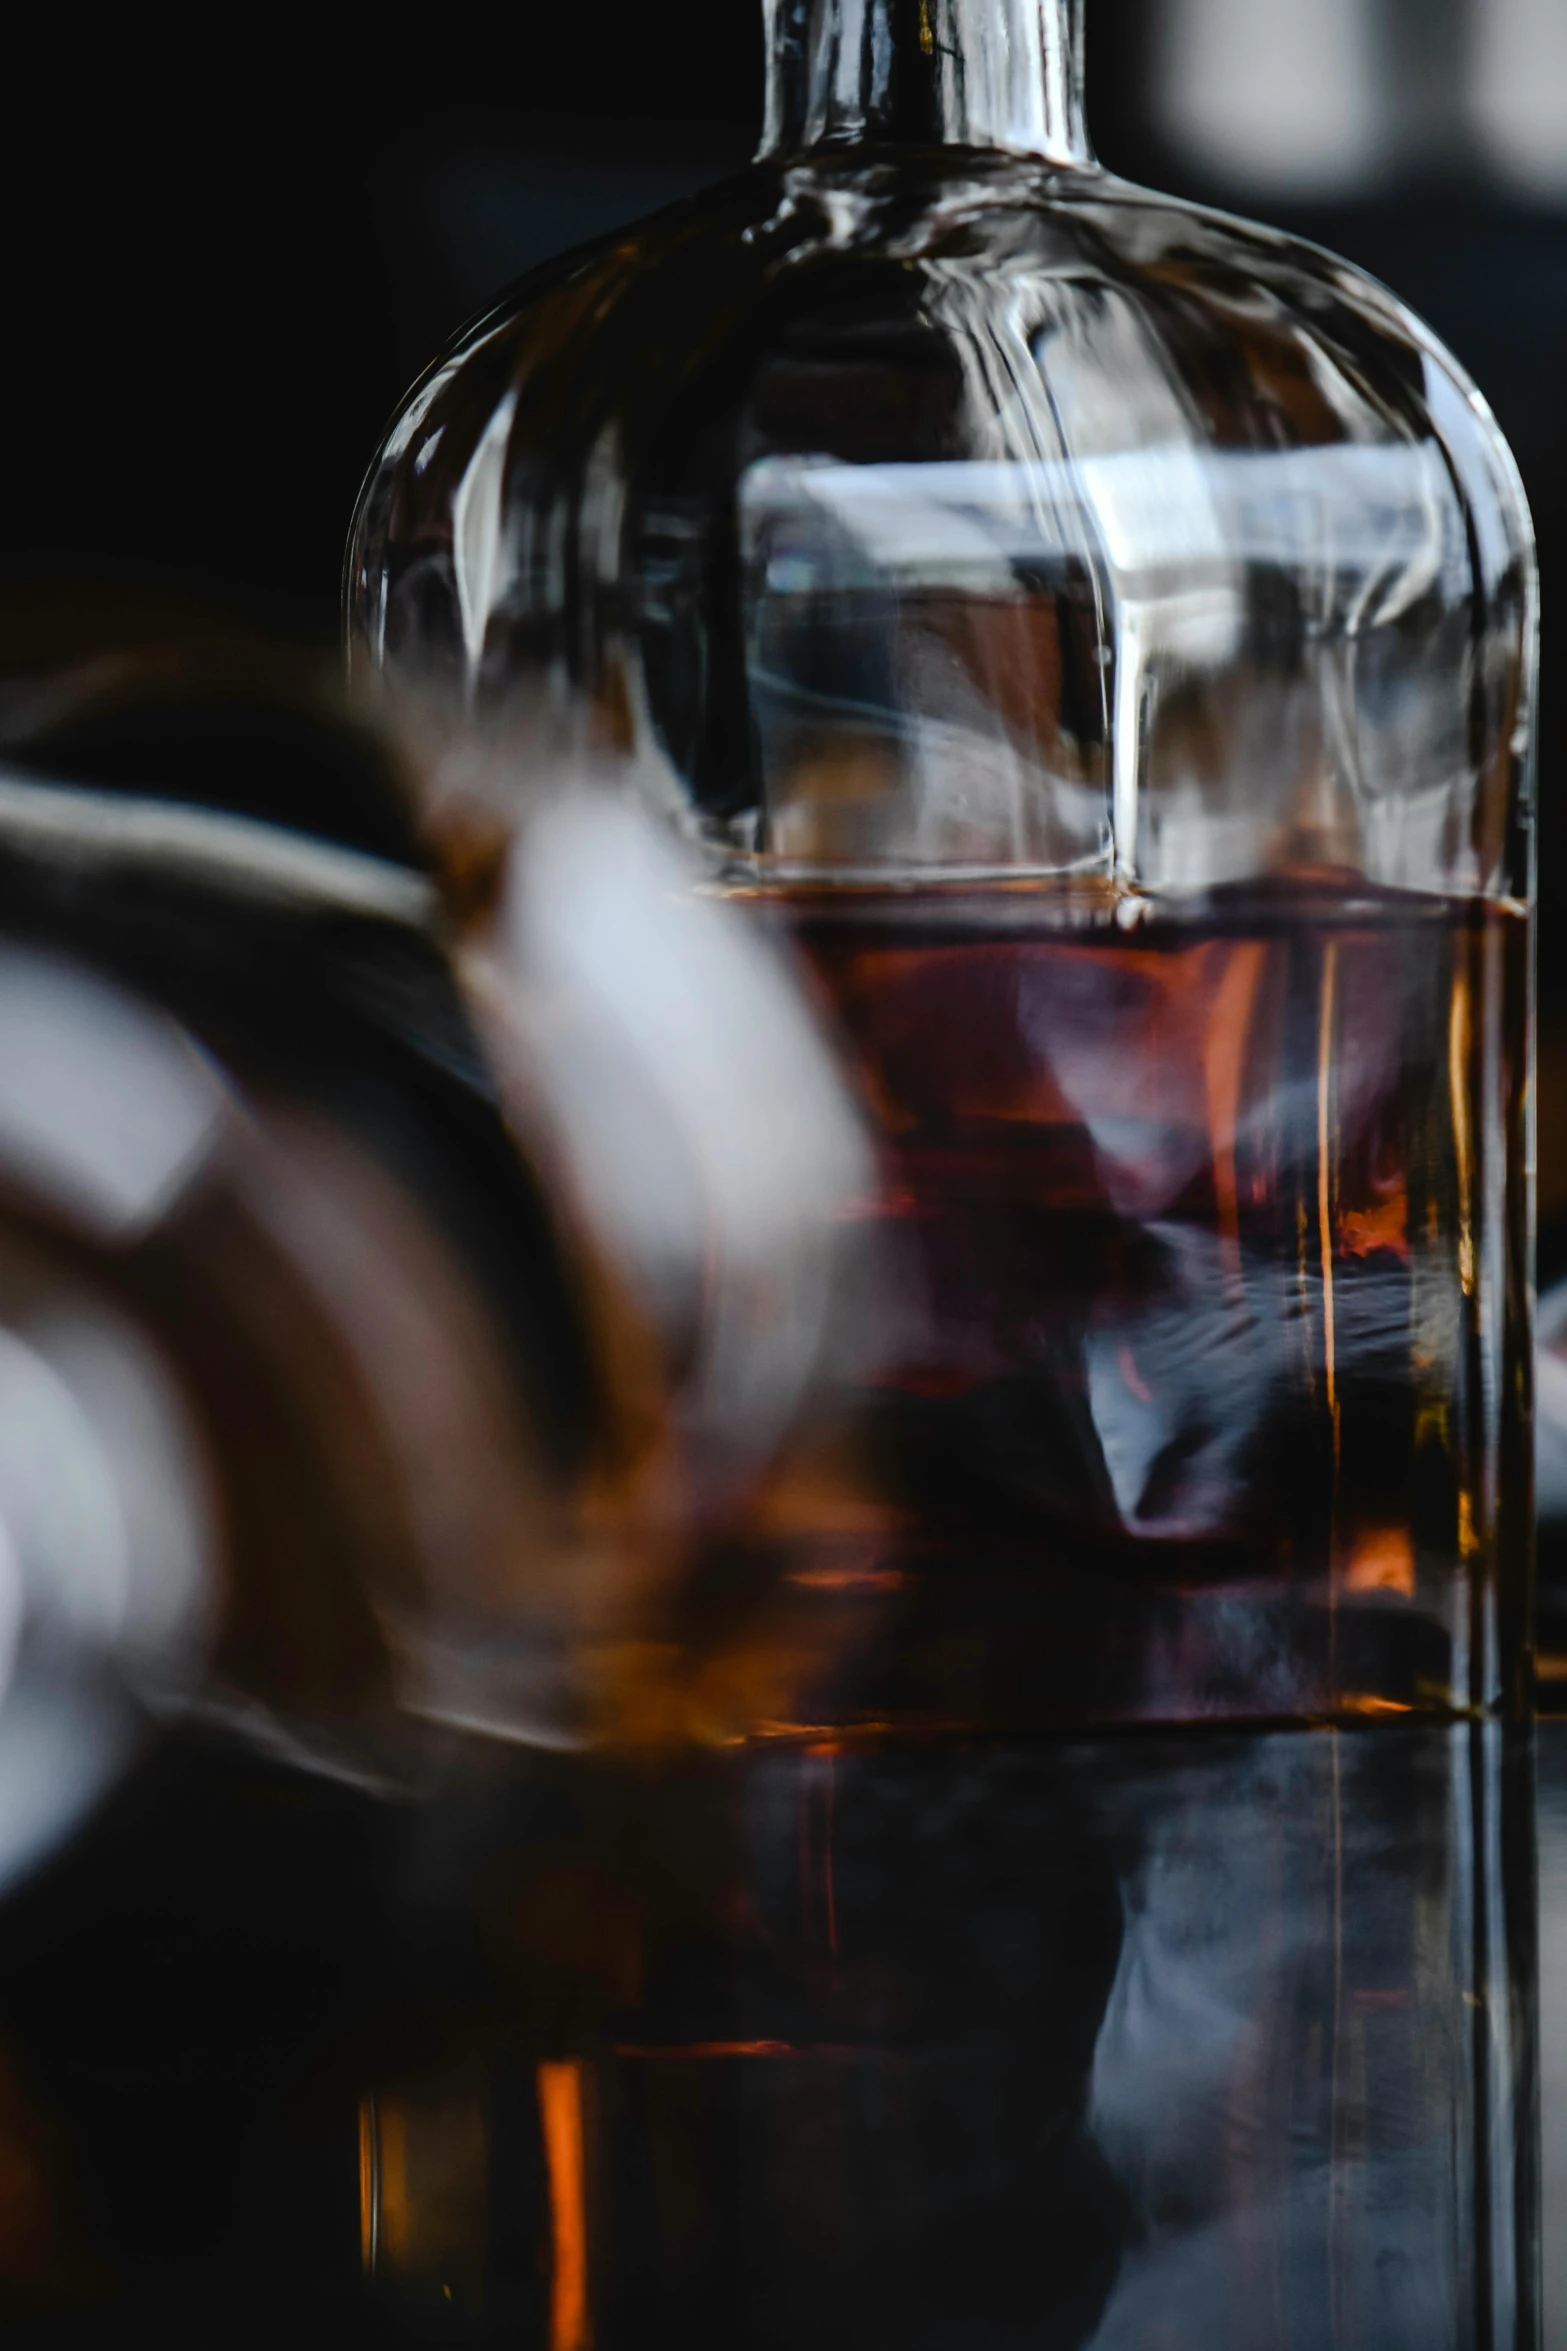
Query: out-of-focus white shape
x=1518, y=93
x=13, y=1608
x=1274, y=94
x=106, y=1564
x=106, y=1545
x=707, y=1131
x=106, y=1112
x=61, y=1750
x=60, y=1504
x=123, y=1392
x=236, y=853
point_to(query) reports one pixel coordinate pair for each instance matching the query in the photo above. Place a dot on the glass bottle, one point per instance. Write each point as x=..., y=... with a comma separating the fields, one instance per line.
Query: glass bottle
x=1099, y=637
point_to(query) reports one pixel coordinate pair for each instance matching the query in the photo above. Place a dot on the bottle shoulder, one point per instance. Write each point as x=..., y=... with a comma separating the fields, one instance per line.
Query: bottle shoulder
x=885, y=472
x=1151, y=304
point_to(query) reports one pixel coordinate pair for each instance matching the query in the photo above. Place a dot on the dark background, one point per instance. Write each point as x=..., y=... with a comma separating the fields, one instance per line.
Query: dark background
x=229, y=250
x=228, y=246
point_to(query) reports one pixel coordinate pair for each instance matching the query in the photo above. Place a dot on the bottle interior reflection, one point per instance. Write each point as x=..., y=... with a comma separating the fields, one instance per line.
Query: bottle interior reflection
x=1166, y=2038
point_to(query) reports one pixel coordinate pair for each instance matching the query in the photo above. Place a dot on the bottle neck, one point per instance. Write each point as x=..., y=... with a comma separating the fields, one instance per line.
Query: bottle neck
x=928, y=73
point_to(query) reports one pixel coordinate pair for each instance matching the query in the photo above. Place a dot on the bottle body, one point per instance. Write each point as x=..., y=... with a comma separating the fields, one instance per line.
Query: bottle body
x=1099, y=640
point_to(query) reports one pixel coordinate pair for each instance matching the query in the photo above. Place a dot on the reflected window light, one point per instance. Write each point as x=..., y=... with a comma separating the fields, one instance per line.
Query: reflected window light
x=1276, y=95
x=1519, y=93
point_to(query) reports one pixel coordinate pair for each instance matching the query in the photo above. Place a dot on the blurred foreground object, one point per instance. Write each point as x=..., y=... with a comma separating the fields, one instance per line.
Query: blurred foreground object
x=347, y=1431
x=519, y=1409
x=1099, y=640
x=378, y=1403
x=108, y=1549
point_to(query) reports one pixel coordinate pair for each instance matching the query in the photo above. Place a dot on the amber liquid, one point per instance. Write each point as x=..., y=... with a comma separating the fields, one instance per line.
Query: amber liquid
x=1201, y=1381
x=1125, y=1938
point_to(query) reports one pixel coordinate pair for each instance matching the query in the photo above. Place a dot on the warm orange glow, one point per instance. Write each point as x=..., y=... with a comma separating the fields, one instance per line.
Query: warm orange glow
x=1468, y=1541
x=1363, y=1231
x=390, y=2160
x=847, y=1579
x=823, y=1494
x=1382, y=1560
x=560, y=2114
x=837, y=1735
x=368, y=2198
